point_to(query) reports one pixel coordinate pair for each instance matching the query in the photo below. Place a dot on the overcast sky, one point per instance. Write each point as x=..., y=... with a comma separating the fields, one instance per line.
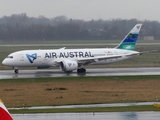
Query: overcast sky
x=84, y=9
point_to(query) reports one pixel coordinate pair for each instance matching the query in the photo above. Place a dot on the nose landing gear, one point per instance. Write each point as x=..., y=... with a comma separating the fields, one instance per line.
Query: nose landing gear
x=16, y=70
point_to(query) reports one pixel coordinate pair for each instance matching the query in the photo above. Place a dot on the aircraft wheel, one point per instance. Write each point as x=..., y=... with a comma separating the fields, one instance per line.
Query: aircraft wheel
x=16, y=71
x=84, y=70
x=81, y=70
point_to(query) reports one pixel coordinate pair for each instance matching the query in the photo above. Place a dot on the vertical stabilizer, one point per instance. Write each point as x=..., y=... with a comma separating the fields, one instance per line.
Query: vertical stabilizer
x=4, y=114
x=129, y=42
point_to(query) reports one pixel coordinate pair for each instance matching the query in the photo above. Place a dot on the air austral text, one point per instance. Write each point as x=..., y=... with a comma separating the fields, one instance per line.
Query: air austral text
x=68, y=54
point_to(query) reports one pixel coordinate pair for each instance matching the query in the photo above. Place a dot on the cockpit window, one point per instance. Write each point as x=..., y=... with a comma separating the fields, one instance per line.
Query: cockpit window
x=9, y=56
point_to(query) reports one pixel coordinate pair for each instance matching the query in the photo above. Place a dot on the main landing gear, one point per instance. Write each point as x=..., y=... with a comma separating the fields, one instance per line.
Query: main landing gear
x=81, y=70
x=16, y=70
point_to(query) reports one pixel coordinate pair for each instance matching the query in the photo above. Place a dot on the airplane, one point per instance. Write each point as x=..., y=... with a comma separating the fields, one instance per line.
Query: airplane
x=75, y=59
x=4, y=114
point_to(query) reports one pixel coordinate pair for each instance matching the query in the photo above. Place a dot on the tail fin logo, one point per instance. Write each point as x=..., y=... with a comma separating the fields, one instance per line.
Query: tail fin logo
x=31, y=57
x=128, y=43
x=128, y=47
x=138, y=27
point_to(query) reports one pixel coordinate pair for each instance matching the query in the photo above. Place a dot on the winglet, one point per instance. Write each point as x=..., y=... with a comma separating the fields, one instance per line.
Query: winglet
x=128, y=43
x=4, y=114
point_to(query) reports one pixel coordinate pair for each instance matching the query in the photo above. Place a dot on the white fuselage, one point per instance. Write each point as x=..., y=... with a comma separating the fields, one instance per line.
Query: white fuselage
x=75, y=59
x=49, y=58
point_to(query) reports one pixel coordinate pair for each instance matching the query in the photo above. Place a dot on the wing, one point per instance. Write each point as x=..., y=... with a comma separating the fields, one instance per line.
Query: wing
x=99, y=58
x=85, y=61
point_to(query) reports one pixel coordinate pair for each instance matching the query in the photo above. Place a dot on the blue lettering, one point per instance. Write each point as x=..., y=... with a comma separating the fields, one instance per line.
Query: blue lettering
x=54, y=55
x=86, y=54
x=61, y=55
x=81, y=54
x=90, y=54
x=76, y=54
x=47, y=56
x=71, y=54
x=66, y=55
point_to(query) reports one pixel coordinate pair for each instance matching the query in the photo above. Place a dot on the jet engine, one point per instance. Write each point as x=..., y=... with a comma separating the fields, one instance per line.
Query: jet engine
x=68, y=65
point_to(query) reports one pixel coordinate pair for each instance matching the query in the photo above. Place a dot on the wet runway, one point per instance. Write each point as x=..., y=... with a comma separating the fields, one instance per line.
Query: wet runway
x=9, y=74
x=90, y=116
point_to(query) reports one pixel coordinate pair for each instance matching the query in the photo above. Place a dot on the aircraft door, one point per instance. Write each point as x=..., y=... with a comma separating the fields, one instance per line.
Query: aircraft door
x=45, y=60
x=21, y=57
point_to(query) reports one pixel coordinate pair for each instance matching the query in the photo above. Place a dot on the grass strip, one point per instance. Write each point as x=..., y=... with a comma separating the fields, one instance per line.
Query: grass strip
x=94, y=109
x=79, y=90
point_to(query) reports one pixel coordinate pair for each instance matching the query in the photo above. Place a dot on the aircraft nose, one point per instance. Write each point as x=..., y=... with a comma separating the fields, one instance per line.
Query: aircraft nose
x=4, y=62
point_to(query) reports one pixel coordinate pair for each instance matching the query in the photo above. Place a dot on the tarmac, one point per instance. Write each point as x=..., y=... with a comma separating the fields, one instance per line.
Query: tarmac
x=9, y=74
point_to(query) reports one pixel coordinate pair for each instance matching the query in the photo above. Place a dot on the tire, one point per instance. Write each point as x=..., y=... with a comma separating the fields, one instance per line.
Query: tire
x=81, y=70
x=16, y=71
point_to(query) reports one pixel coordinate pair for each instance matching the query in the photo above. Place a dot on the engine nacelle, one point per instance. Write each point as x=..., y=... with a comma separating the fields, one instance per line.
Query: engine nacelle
x=68, y=65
